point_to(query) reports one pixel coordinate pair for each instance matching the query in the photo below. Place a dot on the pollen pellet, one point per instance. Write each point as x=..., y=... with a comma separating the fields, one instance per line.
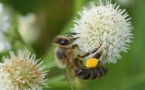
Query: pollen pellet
x=92, y=62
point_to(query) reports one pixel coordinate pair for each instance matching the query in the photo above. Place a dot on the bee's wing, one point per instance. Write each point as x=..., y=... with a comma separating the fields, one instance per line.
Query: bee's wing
x=70, y=74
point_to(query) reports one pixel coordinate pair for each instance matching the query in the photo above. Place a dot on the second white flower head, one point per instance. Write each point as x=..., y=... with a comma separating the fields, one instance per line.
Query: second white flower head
x=22, y=72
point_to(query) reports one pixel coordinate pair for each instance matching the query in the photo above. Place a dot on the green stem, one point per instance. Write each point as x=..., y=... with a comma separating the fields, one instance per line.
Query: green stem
x=17, y=35
x=19, y=38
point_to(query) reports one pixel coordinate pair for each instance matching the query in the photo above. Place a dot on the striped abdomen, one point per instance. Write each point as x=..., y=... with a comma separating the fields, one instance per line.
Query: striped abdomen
x=91, y=73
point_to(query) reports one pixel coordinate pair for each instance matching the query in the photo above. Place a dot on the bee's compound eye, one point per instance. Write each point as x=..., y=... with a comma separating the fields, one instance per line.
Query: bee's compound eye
x=64, y=42
x=92, y=62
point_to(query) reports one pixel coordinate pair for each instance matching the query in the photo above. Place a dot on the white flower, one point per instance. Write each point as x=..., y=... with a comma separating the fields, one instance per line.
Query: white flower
x=4, y=26
x=22, y=72
x=4, y=19
x=27, y=24
x=106, y=25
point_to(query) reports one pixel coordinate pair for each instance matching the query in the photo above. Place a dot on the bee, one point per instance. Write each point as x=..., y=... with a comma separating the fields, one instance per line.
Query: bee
x=68, y=58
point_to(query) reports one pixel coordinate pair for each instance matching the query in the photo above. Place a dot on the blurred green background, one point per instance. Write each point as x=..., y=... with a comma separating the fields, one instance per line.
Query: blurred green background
x=56, y=17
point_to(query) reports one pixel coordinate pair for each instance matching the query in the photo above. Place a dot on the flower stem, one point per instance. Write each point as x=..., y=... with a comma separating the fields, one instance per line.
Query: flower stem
x=17, y=35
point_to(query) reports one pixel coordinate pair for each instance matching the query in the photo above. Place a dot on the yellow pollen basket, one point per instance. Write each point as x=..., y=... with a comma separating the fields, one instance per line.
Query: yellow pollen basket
x=92, y=62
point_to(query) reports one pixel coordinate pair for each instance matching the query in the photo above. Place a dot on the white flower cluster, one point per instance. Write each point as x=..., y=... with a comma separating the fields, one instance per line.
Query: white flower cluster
x=22, y=72
x=4, y=26
x=103, y=25
x=27, y=24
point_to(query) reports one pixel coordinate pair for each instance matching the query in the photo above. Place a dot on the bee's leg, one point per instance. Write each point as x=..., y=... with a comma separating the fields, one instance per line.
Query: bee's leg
x=89, y=53
x=72, y=39
x=97, y=55
x=75, y=38
x=78, y=62
x=75, y=46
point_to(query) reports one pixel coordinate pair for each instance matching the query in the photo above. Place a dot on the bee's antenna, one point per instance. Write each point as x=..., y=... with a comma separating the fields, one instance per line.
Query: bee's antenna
x=71, y=33
x=75, y=38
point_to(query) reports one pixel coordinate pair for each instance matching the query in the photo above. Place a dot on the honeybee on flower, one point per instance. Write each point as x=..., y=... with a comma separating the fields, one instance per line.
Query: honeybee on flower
x=98, y=37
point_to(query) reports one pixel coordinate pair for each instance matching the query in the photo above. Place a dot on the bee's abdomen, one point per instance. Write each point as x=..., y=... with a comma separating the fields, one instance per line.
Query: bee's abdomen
x=100, y=71
x=83, y=73
x=91, y=73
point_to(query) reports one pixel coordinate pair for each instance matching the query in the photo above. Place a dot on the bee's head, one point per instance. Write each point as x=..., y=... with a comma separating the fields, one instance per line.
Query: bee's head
x=62, y=40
